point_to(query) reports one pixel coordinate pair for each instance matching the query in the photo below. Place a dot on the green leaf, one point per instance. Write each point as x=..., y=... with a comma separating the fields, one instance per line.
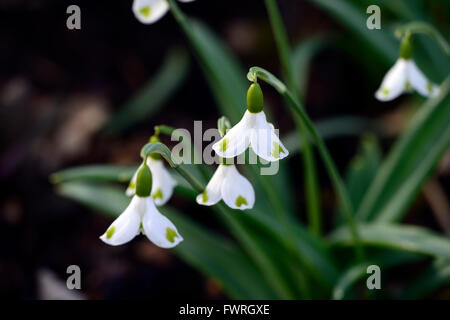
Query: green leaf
x=95, y=173
x=154, y=94
x=220, y=259
x=213, y=255
x=225, y=75
x=363, y=169
x=410, y=162
x=110, y=200
x=435, y=276
x=302, y=56
x=354, y=18
x=311, y=252
x=394, y=236
x=332, y=128
x=356, y=272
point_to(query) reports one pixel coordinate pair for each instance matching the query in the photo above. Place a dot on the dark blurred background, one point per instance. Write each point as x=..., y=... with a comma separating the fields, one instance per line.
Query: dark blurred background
x=59, y=87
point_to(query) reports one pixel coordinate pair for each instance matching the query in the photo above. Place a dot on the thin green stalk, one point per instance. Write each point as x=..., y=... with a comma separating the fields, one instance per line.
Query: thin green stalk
x=256, y=72
x=168, y=130
x=333, y=172
x=309, y=168
x=427, y=29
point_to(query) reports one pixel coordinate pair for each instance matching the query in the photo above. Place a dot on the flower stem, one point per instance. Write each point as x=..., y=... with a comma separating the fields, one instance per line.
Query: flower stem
x=309, y=168
x=427, y=29
x=323, y=151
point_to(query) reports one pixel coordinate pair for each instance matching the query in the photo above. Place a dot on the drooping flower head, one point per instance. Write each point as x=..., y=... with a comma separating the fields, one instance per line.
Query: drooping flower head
x=253, y=130
x=141, y=216
x=405, y=76
x=150, y=11
x=163, y=183
x=228, y=184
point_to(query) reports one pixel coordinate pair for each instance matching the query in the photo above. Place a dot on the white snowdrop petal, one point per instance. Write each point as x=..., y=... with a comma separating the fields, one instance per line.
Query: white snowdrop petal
x=394, y=82
x=162, y=184
x=150, y=11
x=419, y=82
x=186, y=0
x=264, y=141
x=131, y=189
x=236, y=140
x=126, y=226
x=159, y=229
x=212, y=193
x=237, y=191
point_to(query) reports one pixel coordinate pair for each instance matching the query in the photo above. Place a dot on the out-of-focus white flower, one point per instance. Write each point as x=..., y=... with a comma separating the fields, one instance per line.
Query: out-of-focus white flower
x=150, y=11
x=405, y=76
x=142, y=216
x=230, y=186
x=253, y=130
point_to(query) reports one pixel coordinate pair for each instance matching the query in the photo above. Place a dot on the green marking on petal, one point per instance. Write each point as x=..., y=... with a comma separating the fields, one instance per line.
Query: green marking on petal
x=145, y=11
x=385, y=91
x=157, y=194
x=171, y=235
x=132, y=185
x=240, y=200
x=110, y=232
x=408, y=85
x=429, y=87
x=204, y=197
x=276, y=150
x=223, y=145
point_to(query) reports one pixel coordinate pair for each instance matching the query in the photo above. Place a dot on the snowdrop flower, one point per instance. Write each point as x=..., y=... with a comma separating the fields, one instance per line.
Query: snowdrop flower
x=230, y=186
x=141, y=216
x=163, y=183
x=227, y=183
x=405, y=76
x=254, y=130
x=150, y=11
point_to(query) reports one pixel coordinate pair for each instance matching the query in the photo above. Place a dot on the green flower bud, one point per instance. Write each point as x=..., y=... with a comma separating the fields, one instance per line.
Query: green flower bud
x=144, y=181
x=155, y=139
x=255, y=99
x=406, y=50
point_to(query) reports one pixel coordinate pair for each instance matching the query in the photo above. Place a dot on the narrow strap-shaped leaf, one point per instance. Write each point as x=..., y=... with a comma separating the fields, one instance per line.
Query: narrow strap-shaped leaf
x=153, y=95
x=401, y=237
x=435, y=276
x=411, y=160
x=354, y=18
x=356, y=272
x=105, y=173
